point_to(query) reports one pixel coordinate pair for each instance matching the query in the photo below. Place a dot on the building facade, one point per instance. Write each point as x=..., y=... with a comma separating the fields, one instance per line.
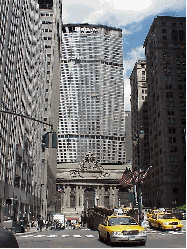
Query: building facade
x=139, y=116
x=165, y=49
x=82, y=186
x=128, y=139
x=51, y=18
x=91, y=114
x=22, y=100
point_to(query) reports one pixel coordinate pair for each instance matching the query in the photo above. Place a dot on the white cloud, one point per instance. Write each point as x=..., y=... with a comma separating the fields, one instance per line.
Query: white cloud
x=100, y=11
x=134, y=55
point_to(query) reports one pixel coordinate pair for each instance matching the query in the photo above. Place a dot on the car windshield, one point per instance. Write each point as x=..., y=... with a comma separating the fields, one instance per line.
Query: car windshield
x=166, y=216
x=121, y=221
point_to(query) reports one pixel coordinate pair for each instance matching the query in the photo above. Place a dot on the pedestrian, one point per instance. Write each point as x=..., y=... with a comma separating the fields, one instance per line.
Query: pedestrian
x=142, y=219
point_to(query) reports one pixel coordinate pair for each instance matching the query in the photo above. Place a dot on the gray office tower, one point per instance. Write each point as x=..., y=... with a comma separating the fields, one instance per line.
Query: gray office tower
x=91, y=113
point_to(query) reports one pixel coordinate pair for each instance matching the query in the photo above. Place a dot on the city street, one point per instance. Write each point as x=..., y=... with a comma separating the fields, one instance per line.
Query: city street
x=85, y=238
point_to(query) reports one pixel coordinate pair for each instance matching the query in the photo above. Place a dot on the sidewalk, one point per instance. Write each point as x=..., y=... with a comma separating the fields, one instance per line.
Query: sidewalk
x=31, y=230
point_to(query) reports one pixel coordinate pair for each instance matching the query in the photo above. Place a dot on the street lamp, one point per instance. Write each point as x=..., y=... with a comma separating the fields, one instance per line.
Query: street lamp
x=136, y=141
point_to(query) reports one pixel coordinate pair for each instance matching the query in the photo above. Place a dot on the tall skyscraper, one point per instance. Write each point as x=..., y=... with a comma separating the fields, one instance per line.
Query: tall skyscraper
x=91, y=114
x=22, y=83
x=139, y=115
x=165, y=49
x=128, y=138
x=51, y=18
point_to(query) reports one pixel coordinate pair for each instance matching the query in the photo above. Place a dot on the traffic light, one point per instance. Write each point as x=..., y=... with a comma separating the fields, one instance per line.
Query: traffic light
x=54, y=140
x=45, y=141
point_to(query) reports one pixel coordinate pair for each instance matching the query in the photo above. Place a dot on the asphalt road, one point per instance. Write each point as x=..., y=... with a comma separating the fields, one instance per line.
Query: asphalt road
x=70, y=238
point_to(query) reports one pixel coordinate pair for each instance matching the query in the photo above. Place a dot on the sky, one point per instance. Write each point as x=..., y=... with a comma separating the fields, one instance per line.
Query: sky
x=133, y=17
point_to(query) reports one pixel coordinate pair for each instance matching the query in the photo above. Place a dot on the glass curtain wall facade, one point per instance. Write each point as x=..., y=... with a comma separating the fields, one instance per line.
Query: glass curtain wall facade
x=91, y=114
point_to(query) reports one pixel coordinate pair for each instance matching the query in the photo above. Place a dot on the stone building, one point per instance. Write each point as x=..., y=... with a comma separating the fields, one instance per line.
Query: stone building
x=165, y=49
x=139, y=115
x=84, y=185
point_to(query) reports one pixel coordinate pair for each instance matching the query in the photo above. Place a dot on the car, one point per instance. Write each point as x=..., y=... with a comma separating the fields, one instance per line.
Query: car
x=180, y=214
x=121, y=229
x=7, y=239
x=165, y=221
x=154, y=211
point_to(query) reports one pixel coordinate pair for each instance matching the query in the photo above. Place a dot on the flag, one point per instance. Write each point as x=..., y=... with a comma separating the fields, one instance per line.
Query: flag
x=60, y=190
x=142, y=176
x=126, y=178
x=135, y=177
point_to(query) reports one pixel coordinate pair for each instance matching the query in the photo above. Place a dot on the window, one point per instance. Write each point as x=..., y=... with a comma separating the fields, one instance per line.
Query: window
x=174, y=35
x=164, y=31
x=172, y=130
x=170, y=112
x=164, y=37
x=169, y=95
x=172, y=139
x=182, y=103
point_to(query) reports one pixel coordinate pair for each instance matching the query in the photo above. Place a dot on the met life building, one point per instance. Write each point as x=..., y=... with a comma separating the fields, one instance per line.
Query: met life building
x=91, y=113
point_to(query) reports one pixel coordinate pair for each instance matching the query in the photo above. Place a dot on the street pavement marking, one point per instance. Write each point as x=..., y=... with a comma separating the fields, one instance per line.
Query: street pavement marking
x=65, y=235
x=77, y=236
x=39, y=236
x=89, y=236
x=30, y=235
x=51, y=236
x=24, y=236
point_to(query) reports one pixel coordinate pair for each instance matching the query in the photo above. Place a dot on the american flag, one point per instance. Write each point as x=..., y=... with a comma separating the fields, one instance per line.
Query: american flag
x=142, y=176
x=132, y=177
x=126, y=178
x=60, y=190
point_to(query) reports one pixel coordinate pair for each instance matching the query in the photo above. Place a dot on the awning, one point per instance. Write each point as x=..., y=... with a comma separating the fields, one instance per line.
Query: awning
x=70, y=218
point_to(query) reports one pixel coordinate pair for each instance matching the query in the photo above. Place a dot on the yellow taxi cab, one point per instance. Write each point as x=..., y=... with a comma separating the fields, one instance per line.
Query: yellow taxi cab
x=121, y=229
x=165, y=221
x=77, y=226
x=154, y=211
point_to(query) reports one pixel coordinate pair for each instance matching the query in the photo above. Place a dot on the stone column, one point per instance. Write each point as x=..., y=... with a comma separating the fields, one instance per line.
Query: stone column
x=68, y=196
x=64, y=198
x=77, y=198
x=102, y=196
x=81, y=198
x=115, y=197
x=97, y=196
x=111, y=201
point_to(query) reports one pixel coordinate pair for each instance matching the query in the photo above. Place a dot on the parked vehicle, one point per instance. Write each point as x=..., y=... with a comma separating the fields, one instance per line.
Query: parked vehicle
x=179, y=214
x=154, y=211
x=7, y=239
x=122, y=229
x=165, y=221
x=60, y=221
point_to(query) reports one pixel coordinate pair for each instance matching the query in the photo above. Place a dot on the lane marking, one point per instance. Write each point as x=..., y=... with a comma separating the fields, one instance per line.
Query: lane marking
x=39, y=236
x=77, y=236
x=65, y=235
x=90, y=236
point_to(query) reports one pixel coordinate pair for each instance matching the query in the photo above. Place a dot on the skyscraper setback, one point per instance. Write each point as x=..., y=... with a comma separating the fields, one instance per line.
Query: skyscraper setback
x=91, y=114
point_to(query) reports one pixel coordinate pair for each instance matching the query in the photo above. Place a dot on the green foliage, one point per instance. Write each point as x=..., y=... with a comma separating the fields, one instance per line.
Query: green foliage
x=182, y=207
